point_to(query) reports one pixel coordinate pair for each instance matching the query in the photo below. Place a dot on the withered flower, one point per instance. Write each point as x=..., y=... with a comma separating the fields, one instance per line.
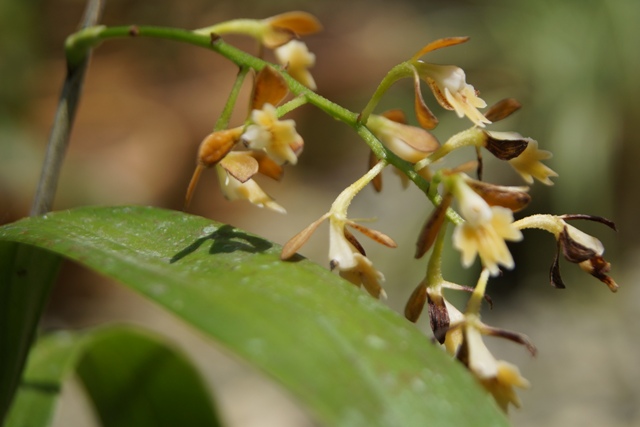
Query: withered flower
x=576, y=246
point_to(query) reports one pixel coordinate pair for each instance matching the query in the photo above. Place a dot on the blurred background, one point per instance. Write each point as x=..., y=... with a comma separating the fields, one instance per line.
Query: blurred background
x=147, y=104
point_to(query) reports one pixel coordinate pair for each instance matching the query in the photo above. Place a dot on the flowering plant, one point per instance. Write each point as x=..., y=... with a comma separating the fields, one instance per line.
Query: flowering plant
x=481, y=215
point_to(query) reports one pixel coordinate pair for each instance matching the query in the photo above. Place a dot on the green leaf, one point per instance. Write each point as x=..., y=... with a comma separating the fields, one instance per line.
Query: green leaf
x=133, y=379
x=26, y=275
x=345, y=356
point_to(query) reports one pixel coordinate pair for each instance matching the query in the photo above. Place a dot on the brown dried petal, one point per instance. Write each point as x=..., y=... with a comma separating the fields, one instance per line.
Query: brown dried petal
x=599, y=219
x=511, y=336
x=438, y=317
x=554, y=272
x=217, y=145
x=598, y=268
x=269, y=88
x=432, y=227
x=480, y=168
x=512, y=198
x=424, y=115
x=377, y=180
x=439, y=44
x=415, y=304
x=502, y=109
x=352, y=239
x=505, y=149
x=572, y=250
x=296, y=242
x=241, y=165
x=376, y=235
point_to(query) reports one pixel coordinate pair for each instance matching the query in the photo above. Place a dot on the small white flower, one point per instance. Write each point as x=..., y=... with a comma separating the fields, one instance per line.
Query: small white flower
x=485, y=229
x=497, y=376
x=278, y=138
x=249, y=190
x=449, y=86
x=295, y=56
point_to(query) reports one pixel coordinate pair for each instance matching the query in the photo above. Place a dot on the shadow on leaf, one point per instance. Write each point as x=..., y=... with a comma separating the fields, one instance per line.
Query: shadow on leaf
x=226, y=239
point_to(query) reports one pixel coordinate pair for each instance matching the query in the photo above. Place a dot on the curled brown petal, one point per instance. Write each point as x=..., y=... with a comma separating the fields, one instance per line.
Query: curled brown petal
x=595, y=218
x=424, y=115
x=511, y=336
x=572, y=250
x=432, y=227
x=554, y=272
x=514, y=198
x=598, y=268
x=505, y=149
x=438, y=317
x=352, y=239
x=480, y=168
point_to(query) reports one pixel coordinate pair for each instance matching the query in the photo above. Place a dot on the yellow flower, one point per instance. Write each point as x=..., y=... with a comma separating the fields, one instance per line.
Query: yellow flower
x=529, y=166
x=278, y=138
x=234, y=189
x=346, y=254
x=448, y=84
x=295, y=56
x=497, y=376
x=485, y=228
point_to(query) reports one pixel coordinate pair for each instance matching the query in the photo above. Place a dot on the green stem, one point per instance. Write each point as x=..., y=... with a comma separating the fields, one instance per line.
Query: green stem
x=398, y=72
x=63, y=121
x=225, y=116
x=291, y=105
x=434, y=268
x=77, y=44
